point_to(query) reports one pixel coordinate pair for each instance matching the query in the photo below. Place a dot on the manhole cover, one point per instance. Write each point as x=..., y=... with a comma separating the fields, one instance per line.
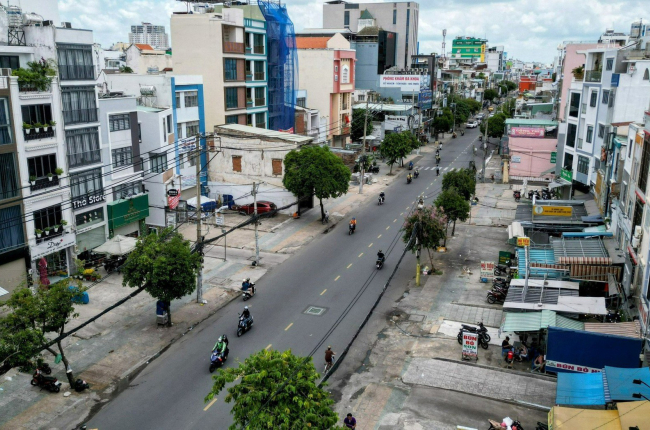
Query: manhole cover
x=416, y=318
x=315, y=311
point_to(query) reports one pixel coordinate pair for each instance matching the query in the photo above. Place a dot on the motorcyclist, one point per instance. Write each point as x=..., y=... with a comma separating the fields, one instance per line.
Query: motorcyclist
x=246, y=284
x=437, y=159
x=381, y=256
x=410, y=165
x=247, y=315
x=382, y=196
x=417, y=172
x=353, y=224
x=221, y=346
x=437, y=171
x=409, y=178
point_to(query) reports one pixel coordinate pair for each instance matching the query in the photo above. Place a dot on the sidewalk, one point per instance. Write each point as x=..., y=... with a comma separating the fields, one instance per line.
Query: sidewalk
x=111, y=351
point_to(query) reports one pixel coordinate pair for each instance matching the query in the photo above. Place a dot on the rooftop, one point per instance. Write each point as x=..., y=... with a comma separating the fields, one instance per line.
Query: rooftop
x=149, y=109
x=531, y=121
x=272, y=134
x=312, y=42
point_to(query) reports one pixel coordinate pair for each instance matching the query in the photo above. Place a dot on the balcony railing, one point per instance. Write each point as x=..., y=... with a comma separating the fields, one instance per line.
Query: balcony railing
x=260, y=102
x=258, y=49
x=42, y=183
x=259, y=76
x=76, y=73
x=249, y=102
x=233, y=47
x=22, y=87
x=80, y=116
x=42, y=134
x=593, y=75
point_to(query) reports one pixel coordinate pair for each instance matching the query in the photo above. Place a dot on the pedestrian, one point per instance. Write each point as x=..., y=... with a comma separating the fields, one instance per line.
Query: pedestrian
x=505, y=345
x=350, y=422
x=437, y=171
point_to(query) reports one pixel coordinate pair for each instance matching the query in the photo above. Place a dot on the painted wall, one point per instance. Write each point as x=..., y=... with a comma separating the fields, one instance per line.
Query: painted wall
x=571, y=60
x=535, y=155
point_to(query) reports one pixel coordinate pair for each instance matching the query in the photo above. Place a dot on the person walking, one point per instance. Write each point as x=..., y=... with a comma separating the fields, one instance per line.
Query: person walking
x=350, y=422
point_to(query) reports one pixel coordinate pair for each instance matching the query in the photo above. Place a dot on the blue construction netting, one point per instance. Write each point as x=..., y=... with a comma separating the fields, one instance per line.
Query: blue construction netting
x=282, y=60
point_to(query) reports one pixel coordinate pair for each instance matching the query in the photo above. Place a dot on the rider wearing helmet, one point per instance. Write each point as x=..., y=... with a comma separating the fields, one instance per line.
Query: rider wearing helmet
x=353, y=223
x=221, y=346
x=382, y=196
x=246, y=284
x=380, y=255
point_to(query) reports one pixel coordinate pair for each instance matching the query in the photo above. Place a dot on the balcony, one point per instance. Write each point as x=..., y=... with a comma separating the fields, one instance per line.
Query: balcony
x=593, y=75
x=79, y=116
x=258, y=49
x=233, y=48
x=77, y=73
x=344, y=106
x=43, y=183
x=42, y=134
x=345, y=131
x=84, y=158
x=31, y=88
x=260, y=102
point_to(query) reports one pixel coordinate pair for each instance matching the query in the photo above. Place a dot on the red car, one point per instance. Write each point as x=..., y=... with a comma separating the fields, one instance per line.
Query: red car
x=262, y=207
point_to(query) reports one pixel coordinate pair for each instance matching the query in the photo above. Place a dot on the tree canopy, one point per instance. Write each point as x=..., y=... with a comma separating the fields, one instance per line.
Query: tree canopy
x=510, y=85
x=315, y=170
x=164, y=265
x=462, y=180
x=356, y=128
x=396, y=146
x=431, y=225
x=260, y=378
x=496, y=125
x=454, y=206
x=490, y=94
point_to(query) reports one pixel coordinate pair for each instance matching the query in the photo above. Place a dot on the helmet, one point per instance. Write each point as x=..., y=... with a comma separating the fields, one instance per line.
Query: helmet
x=244, y=280
x=329, y=347
x=220, y=339
x=246, y=307
x=354, y=219
x=381, y=250
x=224, y=338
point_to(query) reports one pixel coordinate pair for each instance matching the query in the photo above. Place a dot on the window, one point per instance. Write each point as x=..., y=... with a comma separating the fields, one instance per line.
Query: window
x=568, y=162
x=260, y=93
x=179, y=131
x=277, y=166
x=78, y=104
x=191, y=128
x=11, y=232
x=8, y=176
x=231, y=98
x=178, y=99
x=119, y=122
x=571, y=135
x=346, y=18
x=260, y=119
x=75, y=62
x=601, y=130
x=258, y=43
x=230, y=69
x=345, y=75
x=394, y=16
x=301, y=101
x=609, y=64
x=259, y=68
x=169, y=124
x=5, y=123
x=158, y=163
x=590, y=133
x=645, y=165
x=236, y=163
x=232, y=119
x=124, y=191
x=583, y=165
x=605, y=97
x=611, y=98
x=191, y=99
x=33, y=114
x=47, y=217
x=574, y=107
x=41, y=166
x=594, y=98
x=336, y=78
x=91, y=217
x=122, y=157
x=83, y=184
x=9, y=62
x=82, y=147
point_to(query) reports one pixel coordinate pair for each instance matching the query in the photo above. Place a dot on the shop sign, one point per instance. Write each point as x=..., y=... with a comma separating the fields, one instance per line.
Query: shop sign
x=553, y=157
x=88, y=199
x=572, y=367
x=516, y=159
x=553, y=210
x=405, y=122
x=173, y=198
x=53, y=245
x=404, y=82
x=504, y=257
x=566, y=174
x=172, y=193
x=527, y=132
x=123, y=212
x=186, y=145
x=487, y=269
x=470, y=345
x=425, y=99
x=523, y=241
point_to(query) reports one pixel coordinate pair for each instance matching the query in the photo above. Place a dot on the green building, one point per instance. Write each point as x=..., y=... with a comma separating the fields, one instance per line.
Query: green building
x=468, y=47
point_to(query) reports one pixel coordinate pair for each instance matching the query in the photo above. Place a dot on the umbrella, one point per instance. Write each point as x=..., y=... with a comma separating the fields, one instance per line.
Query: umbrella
x=119, y=245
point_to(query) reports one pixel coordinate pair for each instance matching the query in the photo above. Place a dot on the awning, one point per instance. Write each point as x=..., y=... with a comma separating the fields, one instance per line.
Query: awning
x=534, y=321
x=584, y=389
x=580, y=251
x=619, y=383
x=515, y=230
x=634, y=415
x=584, y=419
x=558, y=182
x=627, y=329
x=119, y=245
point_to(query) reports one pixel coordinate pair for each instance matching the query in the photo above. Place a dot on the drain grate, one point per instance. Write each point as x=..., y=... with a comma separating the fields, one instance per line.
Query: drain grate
x=315, y=311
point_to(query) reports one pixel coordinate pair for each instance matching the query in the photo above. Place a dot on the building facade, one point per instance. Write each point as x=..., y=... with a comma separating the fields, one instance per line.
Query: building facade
x=468, y=50
x=149, y=34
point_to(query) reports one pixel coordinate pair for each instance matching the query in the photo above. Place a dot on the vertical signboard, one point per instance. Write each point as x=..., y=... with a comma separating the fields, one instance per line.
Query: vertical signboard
x=470, y=346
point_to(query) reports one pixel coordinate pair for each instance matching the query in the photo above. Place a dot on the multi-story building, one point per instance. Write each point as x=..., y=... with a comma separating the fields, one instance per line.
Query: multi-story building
x=467, y=50
x=398, y=17
x=328, y=68
x=495, y=58
x=149, y=34
x=143, y=58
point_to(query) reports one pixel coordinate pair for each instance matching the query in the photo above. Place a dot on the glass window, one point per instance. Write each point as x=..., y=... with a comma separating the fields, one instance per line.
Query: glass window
x=605, y=97
x=260, y=119
x=346, y=18
x=645, y=165
x=191, y=99
x=568, y=162
x=609, y=64
x=9, y=62
x=75, y=61
x=574, y=107
x=601, y=130
x=301, y=101
x=91, y=217
x=122, y=157
x=11, y=228
x=230, y=69
x=583, y=165
x=79, y=104
x=158, y=163
x=345, y=75
x=8, y=176
x=41, y=166
x=594, y=99
x=571, y=135
x=36, y=114
x=124, y=191
x=5, y=123
x=47, y=217
x=178, y=100
x=191, y=128
x=232, y=119
x=90, y=182
x=231, y=98
x=83, y=147
x=394, y=16
x=590, y=133
x=258, y=43
x=169, y=124
x=119, y=122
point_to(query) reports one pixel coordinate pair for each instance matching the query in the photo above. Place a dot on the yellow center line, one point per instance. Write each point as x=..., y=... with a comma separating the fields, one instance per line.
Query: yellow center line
x=323, y=291
x=349, y=265
x=210, y=404
x=268, y=347
x=360, y=255
x=407, y=208
x=337, y=278
x=378, y=236
x=288, y=327
x=387, y=227
x=395, y=220
x=401, y=214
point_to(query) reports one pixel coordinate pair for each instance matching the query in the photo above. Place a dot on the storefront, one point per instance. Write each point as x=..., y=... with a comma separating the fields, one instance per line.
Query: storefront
x=52, y=257
x=91, y=232
x=126, y=216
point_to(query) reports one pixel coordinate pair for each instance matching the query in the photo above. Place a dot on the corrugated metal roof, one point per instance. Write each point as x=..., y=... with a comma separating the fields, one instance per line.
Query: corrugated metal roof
x=627, y=329
x=534, y=321
x=580, y=251
x=255, y=131
x=580, y=389
x=537, y=257
x=538, y=294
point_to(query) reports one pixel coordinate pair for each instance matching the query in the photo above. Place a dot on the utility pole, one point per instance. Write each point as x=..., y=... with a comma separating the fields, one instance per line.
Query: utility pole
x=487, y=118
x=362, y=163
x=417, y=254
x=257, y=247
x=199, y=236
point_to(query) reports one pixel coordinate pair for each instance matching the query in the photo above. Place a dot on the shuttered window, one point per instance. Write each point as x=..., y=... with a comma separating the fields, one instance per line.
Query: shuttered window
x=277, y=166
x=236, y=163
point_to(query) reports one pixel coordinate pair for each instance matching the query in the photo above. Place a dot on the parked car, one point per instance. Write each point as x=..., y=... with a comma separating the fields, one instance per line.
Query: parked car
x=471, y=124
x=262, y=207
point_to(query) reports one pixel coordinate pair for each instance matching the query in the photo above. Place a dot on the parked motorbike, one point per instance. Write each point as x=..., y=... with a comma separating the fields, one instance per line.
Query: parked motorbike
x=217, y=359
x=80, y=385
x=501, y=280
x=480, y=137
x=516, y=195
x=351, y=229
x=44, y=368
x=501, y=269
x=481, y=330
x=250, y=292
x=482, y=340
x=496, y=296
x=244, y=325
x=50, y=383
x=454, y=135
x=494, y=425
x=373, y=169
x=532, y=193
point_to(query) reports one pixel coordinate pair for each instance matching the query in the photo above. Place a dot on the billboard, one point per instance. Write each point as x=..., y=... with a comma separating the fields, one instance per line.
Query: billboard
x=425, y=99
x=403, y=82
x=401, y=123
x=527, y=132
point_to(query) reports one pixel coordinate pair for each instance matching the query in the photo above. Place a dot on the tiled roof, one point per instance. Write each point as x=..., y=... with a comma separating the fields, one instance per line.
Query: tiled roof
x=144, y=47
x=312, y=42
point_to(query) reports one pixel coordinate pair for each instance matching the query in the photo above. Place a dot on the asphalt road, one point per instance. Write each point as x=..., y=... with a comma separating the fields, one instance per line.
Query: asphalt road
x=329, y=273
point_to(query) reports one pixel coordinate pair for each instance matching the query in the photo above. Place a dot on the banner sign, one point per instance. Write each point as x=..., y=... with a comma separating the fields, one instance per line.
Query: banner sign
x=553, y=210
x=571, y=367
x=527, y=132
x=470, y=345
x=404, y=82
x=405, y=122
x=425, y=101
x=53, y=245
x=523, y=241
x=553, y=157
x=487, y=269
x=566, y=174
x=173, y=198
x=186, y=145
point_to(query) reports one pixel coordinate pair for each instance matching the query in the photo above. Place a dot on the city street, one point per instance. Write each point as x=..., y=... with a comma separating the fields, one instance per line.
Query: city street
x=331, y=273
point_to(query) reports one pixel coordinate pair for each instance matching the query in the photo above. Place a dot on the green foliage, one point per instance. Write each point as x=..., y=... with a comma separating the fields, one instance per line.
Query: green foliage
x=510, y=85
x=126, y=69
x=463, y=181
x=442, y=124
x=356, y=128
x=431, y=227
x=37, y=76
x=164, y=265
x=490, y=94
x=454, y=205
x=508, y=107
x=396, y=146
x=315, y=170
x=300, y=404
x=496, y=125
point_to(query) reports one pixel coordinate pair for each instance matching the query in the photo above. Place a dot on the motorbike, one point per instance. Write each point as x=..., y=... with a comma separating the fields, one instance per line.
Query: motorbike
x=249, y=292
x=50, y=383
x=351, y=229
x=494, y=425
x=44, y=368
x=373, y=169
x=501, y=269
x=496, y=296
x=613, y=317
x=408, y=179
x=244, y=325
x=462, y=133
x=533, y=193
x=380, y=262
x=380, y=200
x=501, y=280
x=480, y=137
x=516, y=195
x=482, y=340
x=416, y=174
x=80, y=385
x=411, y=165
x=454, y=135
x=481, y=330
x=217, y=359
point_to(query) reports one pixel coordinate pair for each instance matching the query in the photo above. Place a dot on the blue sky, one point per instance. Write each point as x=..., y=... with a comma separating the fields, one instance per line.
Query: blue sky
x=529, y=29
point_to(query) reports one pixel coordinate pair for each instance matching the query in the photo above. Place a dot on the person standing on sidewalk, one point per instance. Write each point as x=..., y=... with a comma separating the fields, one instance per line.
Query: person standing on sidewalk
x=350, y=422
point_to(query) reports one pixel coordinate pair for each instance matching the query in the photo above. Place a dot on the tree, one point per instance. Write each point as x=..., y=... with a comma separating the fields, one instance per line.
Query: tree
x=261, y=400
x=511, y=85
x=430, y=224
x=490, y=94
x=33, y=315
x=442, y=124
x=394, y=147
x=315, y=170
x=126, y=69
x=356, y=128
x=164, y=265
x=496, y=125
x=462, y=180
x=454, y=205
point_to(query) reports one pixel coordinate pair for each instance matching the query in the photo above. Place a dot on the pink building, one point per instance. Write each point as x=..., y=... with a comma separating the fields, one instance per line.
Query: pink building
x=571, y=60
x=531, y=157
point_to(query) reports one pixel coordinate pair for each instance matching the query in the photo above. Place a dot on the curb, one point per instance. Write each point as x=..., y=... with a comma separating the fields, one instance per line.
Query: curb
x=516, y=372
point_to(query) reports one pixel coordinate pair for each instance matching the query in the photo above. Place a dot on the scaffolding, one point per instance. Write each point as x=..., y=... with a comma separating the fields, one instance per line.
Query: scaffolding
x=282, y=60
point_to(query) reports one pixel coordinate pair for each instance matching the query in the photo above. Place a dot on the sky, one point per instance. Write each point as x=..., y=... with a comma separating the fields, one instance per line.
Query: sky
x=530, y=30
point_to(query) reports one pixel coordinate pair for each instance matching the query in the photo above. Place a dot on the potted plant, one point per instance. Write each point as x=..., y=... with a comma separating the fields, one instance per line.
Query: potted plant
x=579, y=72
x=39, y=232
x=32, y=179
x=56, y=228
x=45, y=126
x=50, y=176
x=47, y=230
x=37, y=127
x=64, y=223
x=53, y=124
x=27, y=127
x=58, y=171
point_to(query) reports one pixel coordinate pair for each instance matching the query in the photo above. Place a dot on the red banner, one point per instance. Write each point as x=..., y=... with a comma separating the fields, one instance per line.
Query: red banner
x=527, y=132
x=172, y=202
